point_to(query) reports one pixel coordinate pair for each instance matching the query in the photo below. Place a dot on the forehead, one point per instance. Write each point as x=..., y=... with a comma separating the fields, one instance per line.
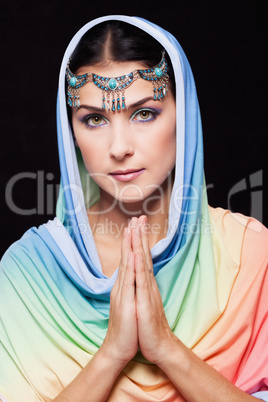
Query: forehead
x=111, y=69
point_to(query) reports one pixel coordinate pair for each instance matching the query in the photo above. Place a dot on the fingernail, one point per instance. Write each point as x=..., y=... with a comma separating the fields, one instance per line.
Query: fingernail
x=141, y=257
x=143, y=219
x=133, y=223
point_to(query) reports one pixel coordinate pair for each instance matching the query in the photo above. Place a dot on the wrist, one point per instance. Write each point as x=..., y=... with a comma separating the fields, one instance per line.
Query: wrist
x=172, y=354
x=169, y=351
x=110, y=356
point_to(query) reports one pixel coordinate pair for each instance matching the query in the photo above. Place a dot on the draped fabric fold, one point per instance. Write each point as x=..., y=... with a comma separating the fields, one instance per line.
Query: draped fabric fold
x=211, y=270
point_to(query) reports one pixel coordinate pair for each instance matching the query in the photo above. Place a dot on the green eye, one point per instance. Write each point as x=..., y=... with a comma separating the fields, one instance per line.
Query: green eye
x=144, y=115
x=94, y=121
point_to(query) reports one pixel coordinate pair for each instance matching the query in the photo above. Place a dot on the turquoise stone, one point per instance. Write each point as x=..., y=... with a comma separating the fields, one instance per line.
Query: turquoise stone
x=73, y=81
x=158, y=72
x=112, y=84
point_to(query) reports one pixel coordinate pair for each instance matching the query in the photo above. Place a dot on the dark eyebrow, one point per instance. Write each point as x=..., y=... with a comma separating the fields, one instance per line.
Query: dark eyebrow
x=90, y=108
x=100, y=110
x=140, y=102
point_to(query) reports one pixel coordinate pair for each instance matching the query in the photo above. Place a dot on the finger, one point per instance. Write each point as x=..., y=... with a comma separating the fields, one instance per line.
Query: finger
x=132, y=222
x=145, y=243
x=128, y=288
x=136, y=237
x=125, y=249
x=147, y=291
x=144, y=232
x=138, y=247
x=142, y=289
x=125, y=245
x=132, y=225
x=149, y=271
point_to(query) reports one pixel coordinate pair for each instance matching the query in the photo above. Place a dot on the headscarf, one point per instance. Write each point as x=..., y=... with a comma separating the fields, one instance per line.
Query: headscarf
x=210, y=270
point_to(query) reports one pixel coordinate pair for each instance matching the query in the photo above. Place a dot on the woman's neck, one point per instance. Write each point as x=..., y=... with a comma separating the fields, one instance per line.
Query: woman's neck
x=108, y=217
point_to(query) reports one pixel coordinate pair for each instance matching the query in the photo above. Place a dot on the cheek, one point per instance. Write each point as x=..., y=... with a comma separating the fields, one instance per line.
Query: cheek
x=92, y=154
x=164, y=148
x=91, y=157
x=90, y=151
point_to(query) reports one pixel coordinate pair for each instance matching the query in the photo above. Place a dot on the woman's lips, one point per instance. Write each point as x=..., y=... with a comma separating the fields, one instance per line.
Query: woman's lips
x=126, y=175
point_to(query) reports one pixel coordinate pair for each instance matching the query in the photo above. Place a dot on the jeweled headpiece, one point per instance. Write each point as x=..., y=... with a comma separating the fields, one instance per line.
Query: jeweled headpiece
x=113, y=88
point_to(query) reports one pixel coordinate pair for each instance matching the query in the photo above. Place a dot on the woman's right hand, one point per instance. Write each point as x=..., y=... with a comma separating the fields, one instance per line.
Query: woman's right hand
x=121, y=341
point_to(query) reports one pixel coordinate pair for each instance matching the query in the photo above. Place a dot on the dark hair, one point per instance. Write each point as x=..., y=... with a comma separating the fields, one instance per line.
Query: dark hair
x=118, y=41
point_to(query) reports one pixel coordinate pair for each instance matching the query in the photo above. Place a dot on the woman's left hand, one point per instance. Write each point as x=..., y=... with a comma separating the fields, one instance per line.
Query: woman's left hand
x=160, y=346
x=155, y=336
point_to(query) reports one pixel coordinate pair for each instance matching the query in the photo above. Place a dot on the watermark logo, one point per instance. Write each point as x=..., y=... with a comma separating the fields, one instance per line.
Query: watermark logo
x=252, y=186
x=46, y=193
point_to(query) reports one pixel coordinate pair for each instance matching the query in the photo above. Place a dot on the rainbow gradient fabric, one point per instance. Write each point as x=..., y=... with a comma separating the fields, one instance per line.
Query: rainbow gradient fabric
x=211, y=270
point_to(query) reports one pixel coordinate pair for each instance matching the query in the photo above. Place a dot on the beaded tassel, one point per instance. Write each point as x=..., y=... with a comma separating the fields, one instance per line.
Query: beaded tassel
x=108, y=101
x=123, y=102
x=118, y=104
x=73, y=100
x=113, y=105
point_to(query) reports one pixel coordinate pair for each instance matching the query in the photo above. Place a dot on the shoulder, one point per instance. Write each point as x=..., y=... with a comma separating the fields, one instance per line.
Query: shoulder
x=244, y=237
x=31, y=248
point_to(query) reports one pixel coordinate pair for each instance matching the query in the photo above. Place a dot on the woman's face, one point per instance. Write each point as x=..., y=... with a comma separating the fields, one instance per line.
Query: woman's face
x=129, y=153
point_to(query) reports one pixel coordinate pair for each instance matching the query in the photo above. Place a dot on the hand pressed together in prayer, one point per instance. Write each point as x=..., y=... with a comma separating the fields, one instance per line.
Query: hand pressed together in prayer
x=137, y=316
x=138, y=321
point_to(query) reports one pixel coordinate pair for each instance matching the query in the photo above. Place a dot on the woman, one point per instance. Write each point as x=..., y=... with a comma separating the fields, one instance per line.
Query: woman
x=138, y=290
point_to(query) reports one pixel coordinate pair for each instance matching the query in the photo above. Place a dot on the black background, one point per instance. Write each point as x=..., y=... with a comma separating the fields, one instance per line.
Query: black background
x=224, y=42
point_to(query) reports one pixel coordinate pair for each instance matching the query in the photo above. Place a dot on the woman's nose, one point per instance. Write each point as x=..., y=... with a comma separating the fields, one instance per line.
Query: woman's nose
x=121, y=146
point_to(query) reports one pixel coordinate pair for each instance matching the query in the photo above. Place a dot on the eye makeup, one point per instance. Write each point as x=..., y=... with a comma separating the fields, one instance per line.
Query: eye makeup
x=93, y=120
x=145, y=114
x=141, y=115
